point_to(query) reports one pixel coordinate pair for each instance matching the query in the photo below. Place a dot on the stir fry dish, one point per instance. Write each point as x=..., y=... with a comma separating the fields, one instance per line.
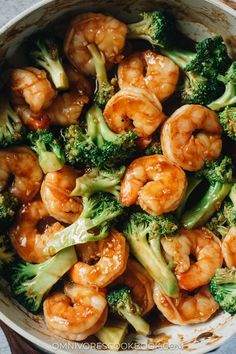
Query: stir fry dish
x=117, y=184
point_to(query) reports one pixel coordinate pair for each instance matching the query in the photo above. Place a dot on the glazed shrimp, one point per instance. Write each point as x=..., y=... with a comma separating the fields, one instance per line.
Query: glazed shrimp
x=105, y=31
x=77, y=313
x=67, y=106
x=204, y=246
x=149, y=70
x=187, y=308
x=21, y=163
x=55, y=193
x=32, y=120
x=153, y=182
x=191, y=136
x=113, y=254
x=27, y=240
x=135, y=109
x=140, y=283
x=31, y=86
x=229, y=248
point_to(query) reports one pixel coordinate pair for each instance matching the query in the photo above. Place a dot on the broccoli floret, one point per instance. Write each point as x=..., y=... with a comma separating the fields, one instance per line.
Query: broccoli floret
x=93, y=224
x=45, y=52
x=228, y=121
x=105, y=180
x=225, y=218
x=201, y=69
x=114, y=148
x=223, y=289
x=7, y=254
x=79, y=147
x=120, y=302
x=105, y=90
x=31, y=282
x=229, y=96
x=11, y=128
x=50, y=153
x=157, y=27
x=219, y=175
x=8, y=207
x=143, y=232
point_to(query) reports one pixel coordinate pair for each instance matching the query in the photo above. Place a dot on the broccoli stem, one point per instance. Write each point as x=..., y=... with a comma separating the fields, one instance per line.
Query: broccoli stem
x=181, y=57
x=139, y=324
x=152, y=259
x=99, y=63
x=192, y=184
x=227, y=99
x=207, y=206
x=57, y=73
x=113, y=333
x=228, y=277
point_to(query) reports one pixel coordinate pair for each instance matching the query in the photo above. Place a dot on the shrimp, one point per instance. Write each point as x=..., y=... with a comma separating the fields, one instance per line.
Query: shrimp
x=55, y=193
x=25, y=236
x=67, y=106
x=186, y=309
x=21, y=163
x=31, y=86
x=32, y=120
x=135, y=109
x=106, y=32
x=149, y=70
x=153, y=182
x=191, y=136
x=229, y=248
x=77, y=313
x=140, y=283
x=204, y=246
x=113, y=254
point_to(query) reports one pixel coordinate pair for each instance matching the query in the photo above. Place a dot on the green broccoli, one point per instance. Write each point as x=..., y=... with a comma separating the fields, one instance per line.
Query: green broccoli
x=201, y=69
x=7, y=253
x=155, y=146
x=143, y=232
x=228, y=98
x=115, y=148
x=30, y=283
x=11, y=127
x=79, y=147
x=93, y=224
x=45, y=52
x=113, y=333
x=219, y=175
x=98, y=145
x=8, y=207
x=50, y=153
x=228, y=121
x=105, y=90
x=105, y=180
x=225, y=218
x=223, y=289
x=120, y=302
x=157, y=27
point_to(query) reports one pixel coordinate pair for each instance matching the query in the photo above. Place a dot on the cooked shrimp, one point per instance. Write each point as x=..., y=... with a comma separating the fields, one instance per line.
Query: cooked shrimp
x=55, y=193
x=32, y=120
x=154, y=183
x=113, y=254
x=31, y=85
x=25, y=236
x=204, y=246
x=135, y=109
x=191, y=136
x=21, y=163
x=229, y=248
x=149, y=70
x=105, y=31
x=187, y=308
x=140, y=283
x=77, y=313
